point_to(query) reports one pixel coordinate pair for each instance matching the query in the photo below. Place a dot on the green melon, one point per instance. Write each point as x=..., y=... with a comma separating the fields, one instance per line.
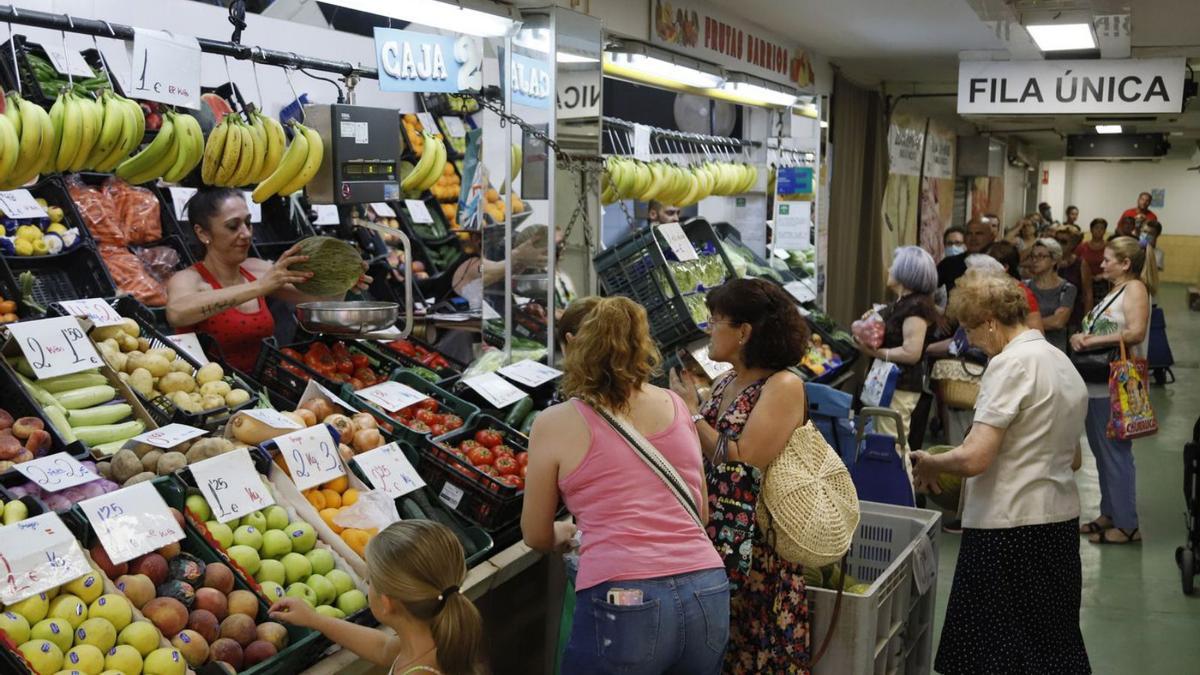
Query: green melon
x=950, y=484
x=336, y=266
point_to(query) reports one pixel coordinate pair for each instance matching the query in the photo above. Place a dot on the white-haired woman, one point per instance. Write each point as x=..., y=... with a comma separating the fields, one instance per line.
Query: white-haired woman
x=1055, y=296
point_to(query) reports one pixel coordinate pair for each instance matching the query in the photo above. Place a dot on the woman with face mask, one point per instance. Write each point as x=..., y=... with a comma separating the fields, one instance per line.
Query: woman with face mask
x=954, y=241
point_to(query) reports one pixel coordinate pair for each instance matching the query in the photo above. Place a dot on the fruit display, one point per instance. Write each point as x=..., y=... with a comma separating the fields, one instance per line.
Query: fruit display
x=31, y=147
x=457, y=143
x=91, y=134
x=145, y=462
x=448, y=186
x=329, y=500
x=82, y=407
x=428, y=416
x=819, y=358
x=495, y=208
x=21, y=439
x=176, y=150
x=359, y=432
x=420, y=354
x=8, y=311
x=335, y=361
x=13, y=512
x=49, y=79
x=626, y=178
x=429, y=167
x=494, y=462
x=296, y=166
x=39, y=236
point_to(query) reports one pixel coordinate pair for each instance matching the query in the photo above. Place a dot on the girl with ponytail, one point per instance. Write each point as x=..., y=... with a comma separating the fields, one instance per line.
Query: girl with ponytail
x=415, y=569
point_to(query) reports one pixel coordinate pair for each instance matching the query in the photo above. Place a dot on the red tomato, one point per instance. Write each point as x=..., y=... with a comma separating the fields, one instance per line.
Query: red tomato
x=340, y=350
x=481, y=456
x=417, y=426
x=292, y=354
x=344, y=365
x=319, y=348
x=356, y=383
x=428, y=404
x=320, y=361
x=452, y=422
x=506, y=465
x=488, y=469
x=366, y=375
x=503, y=449
x=426, y=416
x=511, y=481
x=468, y=444
x=522, y=458
x=339, y=377
x=453, y=450
x=488, y=438
x=437, y=429
x=360, y=361
x=524, y=468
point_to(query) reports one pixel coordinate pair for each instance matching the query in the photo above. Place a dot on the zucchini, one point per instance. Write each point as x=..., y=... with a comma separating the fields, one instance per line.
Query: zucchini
x=519, y=411
x=22, y=366
x=62, y=383
x=43, y=397
x=109, y=449
x=438, y=514
x=86, y=397
x=57, y=418
x=101, y=414
x=109, y=433
x=409, y=510
x=425, y=374
x=527, y=423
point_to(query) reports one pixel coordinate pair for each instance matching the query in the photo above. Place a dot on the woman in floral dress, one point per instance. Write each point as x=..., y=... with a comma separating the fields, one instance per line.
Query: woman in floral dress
x=745, y=424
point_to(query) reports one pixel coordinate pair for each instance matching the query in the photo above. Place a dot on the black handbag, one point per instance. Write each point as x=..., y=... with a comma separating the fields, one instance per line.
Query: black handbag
x=1093, y=364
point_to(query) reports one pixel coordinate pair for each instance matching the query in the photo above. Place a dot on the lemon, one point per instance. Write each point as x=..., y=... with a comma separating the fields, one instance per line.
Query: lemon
x=23, y=246
x=56, y=228
x=40, y=247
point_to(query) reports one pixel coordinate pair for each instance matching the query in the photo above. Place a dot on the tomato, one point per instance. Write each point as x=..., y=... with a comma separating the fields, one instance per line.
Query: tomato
x=428, y=404
x=452, y=422
x=428, y=359
x=426, y=416
x=524, y=468
x=340, y=350
x=437, y=429
x=468, y=444
x=511, y=481
x=488, y=438
x=453, y=450
x=503, y=449
x=360, y=361
x=292, y=354
x=344, y=365
x=439, y=363
x=339, y=377
x=403, y=347
x=319, y=348
x=366, y=375
x=481, y=456
x=417, y=426
x=320, y=361
x=506, y=465
x=522, y=458
x=489, y=470
x=356, y=383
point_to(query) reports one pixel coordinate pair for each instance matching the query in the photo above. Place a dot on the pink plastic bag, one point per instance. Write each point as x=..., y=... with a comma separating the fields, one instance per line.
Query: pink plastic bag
x=869, y=331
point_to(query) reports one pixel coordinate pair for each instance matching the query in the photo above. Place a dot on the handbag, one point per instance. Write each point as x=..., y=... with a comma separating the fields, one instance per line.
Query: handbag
x=957, y=384
x=880, y=385
x=1129, y=399
x=1093, y=364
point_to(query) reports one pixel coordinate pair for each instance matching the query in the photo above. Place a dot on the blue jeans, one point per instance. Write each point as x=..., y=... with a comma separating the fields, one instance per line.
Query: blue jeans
x=681, y=627
x=1114, y=464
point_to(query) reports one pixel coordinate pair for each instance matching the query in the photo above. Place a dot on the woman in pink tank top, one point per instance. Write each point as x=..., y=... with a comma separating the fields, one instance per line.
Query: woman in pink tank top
x=651, y=593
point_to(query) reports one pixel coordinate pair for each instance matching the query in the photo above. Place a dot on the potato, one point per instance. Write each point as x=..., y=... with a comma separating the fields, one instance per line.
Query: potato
x=212, y=402
x=102, y=333
x=143, y=345
x=170, y=462
x=209, y=372
x=117, y=361
x=110, y=343
x=124, y=377
x=156, y=364
x=142, y=382
x=173, y=382
x=129, y=344
x=236, y=397
x=218, y=388
x=183, y=401
x=104, y=469
x=133, y=361
x=150, y=460
x=125, y=465
x=140, y=478
x=165, y=352
x=181, y=366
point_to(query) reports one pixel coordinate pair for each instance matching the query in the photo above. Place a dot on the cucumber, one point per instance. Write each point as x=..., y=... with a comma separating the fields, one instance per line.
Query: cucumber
x=86, y=397
x=409, y=510
x=57, y=418
x=101, y=414
x=63, y=383
x=519, y=411
x=108, y=433
x=527, y=423
x=438, y=514
x=425, y=374
x=43, y=397
x=22, y=366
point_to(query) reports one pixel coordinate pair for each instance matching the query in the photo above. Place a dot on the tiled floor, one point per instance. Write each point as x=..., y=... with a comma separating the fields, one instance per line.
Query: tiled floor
x=1134, y=616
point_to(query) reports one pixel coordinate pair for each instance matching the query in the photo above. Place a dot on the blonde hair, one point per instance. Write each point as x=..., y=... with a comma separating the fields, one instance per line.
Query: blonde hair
x=983, y=294
x=611, y=356
x=573, y=316
x=420, y=565
x=1128, y=248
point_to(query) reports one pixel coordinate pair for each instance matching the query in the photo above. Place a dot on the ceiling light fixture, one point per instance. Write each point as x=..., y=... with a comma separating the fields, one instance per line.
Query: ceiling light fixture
x=1058, y=37
x=455, y=17
x=748, y=86
x=1108, y=129
x=660, y=69
x=538, y=40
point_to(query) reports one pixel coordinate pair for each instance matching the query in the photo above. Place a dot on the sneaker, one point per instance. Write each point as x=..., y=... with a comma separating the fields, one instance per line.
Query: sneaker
x=952, y=526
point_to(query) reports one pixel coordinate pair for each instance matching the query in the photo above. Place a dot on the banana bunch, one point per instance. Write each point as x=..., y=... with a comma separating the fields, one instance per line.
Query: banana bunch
x=243, y=153
x=429, y=168
x=172, y=155
x=26, y=142
x=92, y=134
x=669, y=183
x=294, y=169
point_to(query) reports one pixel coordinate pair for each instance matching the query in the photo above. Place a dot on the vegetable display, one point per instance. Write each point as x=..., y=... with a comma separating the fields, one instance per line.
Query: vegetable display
x=82, y=407
x=491, y=457
x=334, y=361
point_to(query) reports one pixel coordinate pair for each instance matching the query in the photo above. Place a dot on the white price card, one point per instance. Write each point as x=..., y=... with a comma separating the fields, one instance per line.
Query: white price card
x=418, y=211
x=801, y=291
x=231, y=485
x=38, y=554
x=20, y=204
x=711, y=368
x=98, y=311
x=388, y=469
x=383, y=210
x=189, y=343
x=68, y=61
x=166, y=68
x=780, y=253
x=530, y=373
x=327, y=214
x=641, y=142
x=497, y=390
x=391, y=396
x=678, y=241
x=311, y=456
x=56, y=472
x=272, y=418
x=451, y=495
x=169, y=436
x=131, y=521
x=179, y=201
x=255, y=207
x=454, y=126
x=427, y=122
x=925, y=564
x=57, y=346
x=315, y=388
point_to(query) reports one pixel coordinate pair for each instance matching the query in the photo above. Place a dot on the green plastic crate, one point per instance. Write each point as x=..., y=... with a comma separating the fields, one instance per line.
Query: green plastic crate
x=448, y=401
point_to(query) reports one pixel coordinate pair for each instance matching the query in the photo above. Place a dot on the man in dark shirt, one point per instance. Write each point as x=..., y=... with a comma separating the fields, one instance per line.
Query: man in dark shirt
x=979, y=236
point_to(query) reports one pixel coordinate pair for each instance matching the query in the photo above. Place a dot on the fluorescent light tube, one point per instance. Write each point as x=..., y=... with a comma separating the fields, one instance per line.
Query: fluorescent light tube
x=434, y=14
x=664, y=69
x=1108, y=128
x=754, y=91
x=1057, y=37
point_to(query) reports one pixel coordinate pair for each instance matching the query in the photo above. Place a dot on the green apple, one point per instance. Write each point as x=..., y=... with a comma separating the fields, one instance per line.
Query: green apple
x=69, y=608
x=87, y=587
x=272, y=591
x=271, y=570
x=165, y=661
x=351, y=601
x=324, y=589
x=43, y=655
x=248, y=535
x=297, y=567
x=246, y=557
x=341, y=581
x=33, y=608
x=221, y=532
x=124, y=659
x=277, y=517
x=321, y=559
x=197, y=505
x=304, y=537
x=256, y=520
x=98, y=633
x=142, y=636
x=302, y=591
x=58, y=631
x=334, y=612
x=84, y=658
x=15, y=625
x=276, y=544
x=113, y=607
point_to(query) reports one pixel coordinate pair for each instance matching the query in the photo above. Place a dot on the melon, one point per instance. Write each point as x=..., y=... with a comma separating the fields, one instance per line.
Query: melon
x=950, y=484
x=336, y=266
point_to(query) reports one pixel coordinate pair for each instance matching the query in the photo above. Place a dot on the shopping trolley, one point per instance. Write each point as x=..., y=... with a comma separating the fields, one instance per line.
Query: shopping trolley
x=1185, y=556
x=879, y=472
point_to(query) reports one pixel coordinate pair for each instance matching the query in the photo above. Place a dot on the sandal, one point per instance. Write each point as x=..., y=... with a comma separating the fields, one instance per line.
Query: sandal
x=1095, y=527
x=1131, y=537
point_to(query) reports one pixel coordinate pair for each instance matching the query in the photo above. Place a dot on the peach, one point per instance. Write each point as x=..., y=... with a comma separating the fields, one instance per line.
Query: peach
x=243, y=602
x=257, y=652
x=137, y=587
x=212, y=600
x=274, y=633
x=168, y=614
x=152, y=565
x=193, y=646
x=205, y=623
x=219, y=576
x=169, y=551
x=227, y=651
x=239, y=628
x=110, y=569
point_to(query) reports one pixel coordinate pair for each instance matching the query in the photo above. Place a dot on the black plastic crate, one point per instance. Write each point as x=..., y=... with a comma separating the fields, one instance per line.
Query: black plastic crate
x=30, y=87
x=397, y=351
x=73, y=275
x=447, y=402
x=19, y=403
x=435, y=231
x=54, y=191
x=288, y=377
x=472, y=493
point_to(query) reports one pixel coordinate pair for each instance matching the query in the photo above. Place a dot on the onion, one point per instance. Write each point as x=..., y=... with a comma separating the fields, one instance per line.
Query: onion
x=340, y=422
x=367, y=439
x=307, y=415
x=320, y=407
x=364, y=420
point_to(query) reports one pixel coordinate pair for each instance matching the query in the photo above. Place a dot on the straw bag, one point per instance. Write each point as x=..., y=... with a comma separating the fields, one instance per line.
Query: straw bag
x=957, y=384
x=808, y=507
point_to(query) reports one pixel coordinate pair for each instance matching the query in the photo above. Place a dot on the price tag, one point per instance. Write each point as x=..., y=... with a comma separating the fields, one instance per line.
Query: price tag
x=427, y=122
x=497, y=390
x=131, y=521
x=98, y=311
x=451, y=495
x=169, y=436
x=780, y=253
x=641, y=142
x=388, y=469
x=711, y=368
x=327, y=214
x=678, y=241
x=55, y=346
x=189, y=343
x=272, y=418
x=801, y=291
x=231, y=485
x=179, y=201
x=68, y=62
x=383, y=210
x=314, y=388
x=925, y=564
x=56, y=472
x=255, y=207
x=391, y=396
x=166, y=68
x=38, y=554
x=311, y=456
x=454, y=126
x=418, y=211
x=530, y=373
x=21, y=204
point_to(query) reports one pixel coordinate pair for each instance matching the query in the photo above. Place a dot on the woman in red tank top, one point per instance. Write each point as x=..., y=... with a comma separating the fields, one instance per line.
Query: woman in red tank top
x=224, y=295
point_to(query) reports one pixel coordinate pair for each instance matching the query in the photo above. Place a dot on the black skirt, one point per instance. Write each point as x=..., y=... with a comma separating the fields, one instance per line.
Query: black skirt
x=1014, y=604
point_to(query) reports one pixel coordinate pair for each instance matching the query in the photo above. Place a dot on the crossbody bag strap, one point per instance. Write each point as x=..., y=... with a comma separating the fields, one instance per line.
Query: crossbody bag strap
x=1093, y=315
x=654, y=459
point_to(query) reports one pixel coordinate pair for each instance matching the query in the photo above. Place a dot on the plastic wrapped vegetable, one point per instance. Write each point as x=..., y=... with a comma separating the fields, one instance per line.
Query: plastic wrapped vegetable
x=160, y=261
x=139, y=211
x=99, y=212
x=869, y=330
x=131, y=276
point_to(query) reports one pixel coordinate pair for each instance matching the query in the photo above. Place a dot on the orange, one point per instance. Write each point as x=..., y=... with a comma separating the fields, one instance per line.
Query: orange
x=338, y=484
x=356, y=539
x=349, y=497
x=333, y=499
x=327, y=515
x=316, y=498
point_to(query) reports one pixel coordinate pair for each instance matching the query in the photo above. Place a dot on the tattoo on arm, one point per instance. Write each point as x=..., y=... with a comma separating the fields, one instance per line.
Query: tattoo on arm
x=217, y=307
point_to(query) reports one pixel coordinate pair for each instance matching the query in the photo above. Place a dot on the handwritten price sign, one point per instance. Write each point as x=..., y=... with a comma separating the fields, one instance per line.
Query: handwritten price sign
x=56, y=472
x=55, y=346
x=391, y=396
x=530, y=373
x=418, y=211
x=497, y=390
x=20, y=204
x=37, y=554
x=389, y=470
x=99, y=312
x=166, y=68
x=169, y=436
x=131, y=521
x=678, y=241
x=231, y=485
x=189, y=343
x=311, y=456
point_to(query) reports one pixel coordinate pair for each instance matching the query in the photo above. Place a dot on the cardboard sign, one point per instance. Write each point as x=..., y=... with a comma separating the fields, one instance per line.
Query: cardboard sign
x=327, y=214
x=188, y=342
x=98, y=311
x=391, y=396
x=169, y=436
x=166, y=68
x=179, y=201
x=57, y=346
x=383, y=210
x=311, y=456
x=497, y=390
x=388, y=469
x=36, y=555
x=56, y=472
x=231, y=485
x=454, y=126
x=21, y=204
x=530, y=373
x=678, y=241
x=131, y=521
x=418, y=211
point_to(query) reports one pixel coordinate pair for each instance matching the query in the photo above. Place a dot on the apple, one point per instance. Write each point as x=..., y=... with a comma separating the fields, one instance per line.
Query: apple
x=84, y=658
x=220, y=532
x=164, y=661
x=272, y=591
x=141, y=635
x=277, y=517
x=341, y=580
x=256, y=520
x=304, y=537
x=98, y=633
x=58, y=631
x=15, y=625
x=351, y=601
x=197, y=505
x=327, y=610
x=68, y=608
x=246, y=558
x=248, y=535
x=324, y=589
x=271, y=570
x=276, y=544
x=302, y=591
x=123, y=659
x=321, y=559
x=87, y=587
x=297, y=567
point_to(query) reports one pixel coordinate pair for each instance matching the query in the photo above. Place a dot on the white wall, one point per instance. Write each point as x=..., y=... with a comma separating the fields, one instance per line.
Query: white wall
x=1055, y=191
x=1105, y=189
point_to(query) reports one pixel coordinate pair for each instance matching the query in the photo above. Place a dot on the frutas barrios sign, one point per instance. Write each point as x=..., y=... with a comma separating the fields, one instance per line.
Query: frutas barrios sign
x=414, y=61
x=1071, y=87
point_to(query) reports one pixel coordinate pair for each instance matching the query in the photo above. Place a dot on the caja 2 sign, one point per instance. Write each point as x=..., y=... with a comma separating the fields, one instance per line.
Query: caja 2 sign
x=414, y=61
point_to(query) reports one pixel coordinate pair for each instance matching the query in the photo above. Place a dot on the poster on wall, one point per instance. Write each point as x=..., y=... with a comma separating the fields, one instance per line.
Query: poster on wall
x=937, y=188
x=901, y=194
x=987, y=196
